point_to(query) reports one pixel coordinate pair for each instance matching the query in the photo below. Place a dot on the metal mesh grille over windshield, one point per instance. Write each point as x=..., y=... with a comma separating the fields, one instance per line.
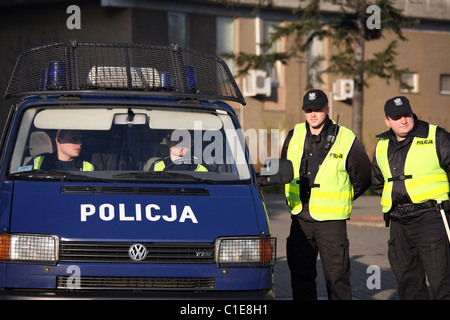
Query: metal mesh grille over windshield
x=71, y=68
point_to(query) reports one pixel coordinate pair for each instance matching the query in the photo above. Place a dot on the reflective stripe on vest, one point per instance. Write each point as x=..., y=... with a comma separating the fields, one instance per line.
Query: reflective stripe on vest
x=160, y=165
x=423, y=176
x=37, y=163
x=332, y=199
x=87, y=166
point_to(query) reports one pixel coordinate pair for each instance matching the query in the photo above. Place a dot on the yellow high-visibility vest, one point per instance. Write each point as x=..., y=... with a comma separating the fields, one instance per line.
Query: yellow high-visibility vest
x=37, y=162
x=332, y=193
x=160, y=165
x=424, y=178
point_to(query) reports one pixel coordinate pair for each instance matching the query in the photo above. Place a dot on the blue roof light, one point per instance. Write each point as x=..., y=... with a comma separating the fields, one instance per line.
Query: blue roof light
x=56, y=75
x=43, y=85
x=190, y=78
x=166, y=80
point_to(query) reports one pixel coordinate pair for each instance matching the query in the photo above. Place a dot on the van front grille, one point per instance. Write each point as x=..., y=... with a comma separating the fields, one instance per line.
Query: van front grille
x=135, y=283
x=118, y=252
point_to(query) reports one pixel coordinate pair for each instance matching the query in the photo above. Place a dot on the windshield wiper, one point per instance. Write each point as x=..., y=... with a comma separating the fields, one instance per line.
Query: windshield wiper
x=162, y=176
x=55, y=175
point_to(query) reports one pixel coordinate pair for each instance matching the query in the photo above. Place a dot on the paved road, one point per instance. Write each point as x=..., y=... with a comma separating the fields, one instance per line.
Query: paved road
x=368, y=246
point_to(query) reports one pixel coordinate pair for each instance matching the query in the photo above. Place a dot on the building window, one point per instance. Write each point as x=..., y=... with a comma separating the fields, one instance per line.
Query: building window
x=225, y=38
x=445, y=84
x=411, y=79
x=275, y=72
x=314, y=63
x=178, y=29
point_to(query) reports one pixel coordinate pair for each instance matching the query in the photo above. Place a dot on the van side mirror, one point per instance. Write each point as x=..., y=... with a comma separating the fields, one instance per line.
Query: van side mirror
x=276, y=171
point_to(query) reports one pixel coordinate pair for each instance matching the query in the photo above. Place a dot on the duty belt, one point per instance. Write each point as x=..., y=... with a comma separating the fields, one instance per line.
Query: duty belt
x=400, y=178
x=415, y=206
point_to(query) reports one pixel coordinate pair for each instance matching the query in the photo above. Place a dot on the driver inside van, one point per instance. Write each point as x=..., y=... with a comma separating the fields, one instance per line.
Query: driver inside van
x=179, y=158
x=68, y=145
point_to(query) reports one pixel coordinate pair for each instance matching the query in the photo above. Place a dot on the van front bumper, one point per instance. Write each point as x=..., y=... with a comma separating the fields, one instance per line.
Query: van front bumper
x=22, y=294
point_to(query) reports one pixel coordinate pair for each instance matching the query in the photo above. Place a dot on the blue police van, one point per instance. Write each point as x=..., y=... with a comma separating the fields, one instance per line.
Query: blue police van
x=124, y=174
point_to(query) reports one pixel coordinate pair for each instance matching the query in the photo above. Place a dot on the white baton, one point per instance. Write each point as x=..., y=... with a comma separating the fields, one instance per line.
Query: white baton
x=444, y=218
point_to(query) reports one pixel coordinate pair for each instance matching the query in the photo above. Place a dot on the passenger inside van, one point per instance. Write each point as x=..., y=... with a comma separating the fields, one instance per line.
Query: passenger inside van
x=180, y=158
x=67, y=158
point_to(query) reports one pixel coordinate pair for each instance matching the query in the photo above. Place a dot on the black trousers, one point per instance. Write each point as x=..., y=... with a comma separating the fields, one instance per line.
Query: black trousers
x=418, y=248
x=329, y=239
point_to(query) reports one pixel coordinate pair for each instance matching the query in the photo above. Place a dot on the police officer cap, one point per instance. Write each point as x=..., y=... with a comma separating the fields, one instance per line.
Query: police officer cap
x=315, y=99
x=397, y=106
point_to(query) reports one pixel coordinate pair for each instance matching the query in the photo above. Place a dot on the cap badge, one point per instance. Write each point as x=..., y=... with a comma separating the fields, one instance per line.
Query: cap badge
x=312, y=96
x=398, y=102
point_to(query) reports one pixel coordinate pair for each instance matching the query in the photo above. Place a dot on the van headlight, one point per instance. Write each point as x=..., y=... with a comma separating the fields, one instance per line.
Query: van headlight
x=29, y=248
x=246, y=251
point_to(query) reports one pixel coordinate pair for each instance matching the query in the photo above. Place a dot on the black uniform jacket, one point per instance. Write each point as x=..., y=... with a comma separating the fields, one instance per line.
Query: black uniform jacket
x=51, y=162
x=397, y=152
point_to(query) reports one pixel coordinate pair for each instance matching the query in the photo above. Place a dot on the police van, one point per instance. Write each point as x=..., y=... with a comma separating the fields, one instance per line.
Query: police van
x=124, y=174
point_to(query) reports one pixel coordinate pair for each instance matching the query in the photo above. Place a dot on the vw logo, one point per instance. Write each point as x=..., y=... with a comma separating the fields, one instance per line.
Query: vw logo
x=137, y=252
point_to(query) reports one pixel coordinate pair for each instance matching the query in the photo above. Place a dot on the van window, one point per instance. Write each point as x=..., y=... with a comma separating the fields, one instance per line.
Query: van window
x=164, y=145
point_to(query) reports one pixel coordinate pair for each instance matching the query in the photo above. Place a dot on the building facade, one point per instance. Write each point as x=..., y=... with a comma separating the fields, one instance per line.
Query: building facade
x=273, y=103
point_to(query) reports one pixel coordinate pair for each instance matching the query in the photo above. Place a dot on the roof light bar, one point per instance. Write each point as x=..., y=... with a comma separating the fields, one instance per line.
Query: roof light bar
x=114, y=68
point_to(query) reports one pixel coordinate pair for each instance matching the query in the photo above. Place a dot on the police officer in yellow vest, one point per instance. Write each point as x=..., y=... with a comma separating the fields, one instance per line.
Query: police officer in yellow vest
x=410, y=170
x=68, y=146
x=331, y=169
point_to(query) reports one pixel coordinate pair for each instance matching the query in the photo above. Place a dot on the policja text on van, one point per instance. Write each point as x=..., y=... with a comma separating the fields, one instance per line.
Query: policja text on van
x=108, y=212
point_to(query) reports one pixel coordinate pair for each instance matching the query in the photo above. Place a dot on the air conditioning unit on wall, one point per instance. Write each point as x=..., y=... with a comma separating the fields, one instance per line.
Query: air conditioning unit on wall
x=343, y=89
x=257, y=83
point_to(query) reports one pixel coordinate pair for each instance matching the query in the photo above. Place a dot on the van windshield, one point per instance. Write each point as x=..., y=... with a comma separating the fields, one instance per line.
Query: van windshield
x=119, y=144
